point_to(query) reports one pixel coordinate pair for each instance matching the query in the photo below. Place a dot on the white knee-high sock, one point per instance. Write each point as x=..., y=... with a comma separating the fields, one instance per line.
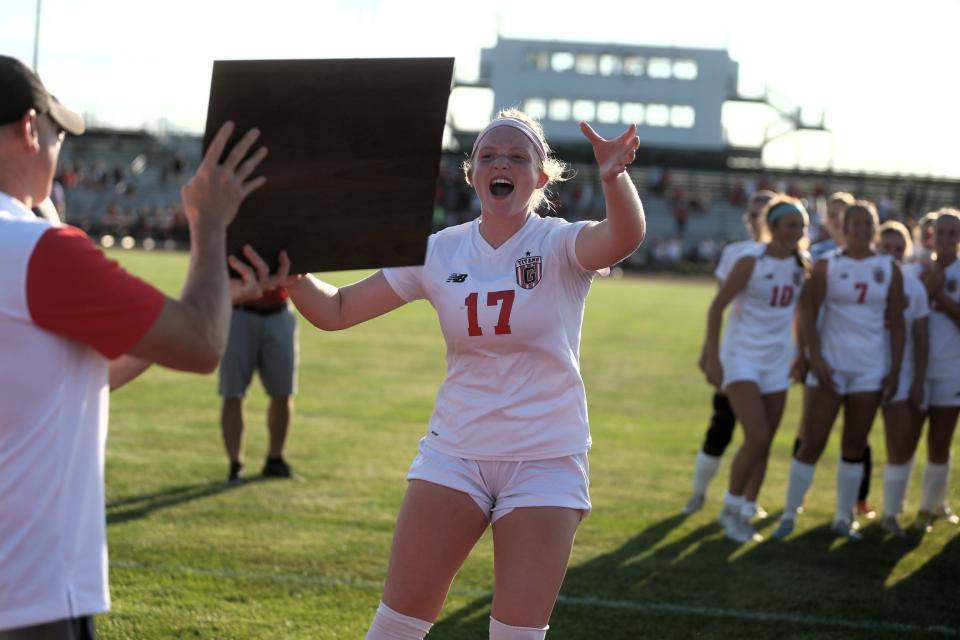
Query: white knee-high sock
x=849, y=476
x=895, y=479
x=500, y=631
x=801, y=476
x=389, y=625
x=748, y=510
x=934, y=486
x=703, y=472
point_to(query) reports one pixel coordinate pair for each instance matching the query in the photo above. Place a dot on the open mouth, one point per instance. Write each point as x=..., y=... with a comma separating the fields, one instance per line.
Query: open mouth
x=501, y=187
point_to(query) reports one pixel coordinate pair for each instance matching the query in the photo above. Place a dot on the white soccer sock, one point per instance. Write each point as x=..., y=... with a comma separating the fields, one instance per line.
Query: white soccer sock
x=801, y=476
x=895, y=479
x=934, y=486
x=732, y=501
x=748, y=510
x=849, y=476
x=500, y=631
x=389, y=625
x=704, y=470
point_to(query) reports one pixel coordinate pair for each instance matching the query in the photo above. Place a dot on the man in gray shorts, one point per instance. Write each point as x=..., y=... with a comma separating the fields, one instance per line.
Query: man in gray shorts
x=263, y=338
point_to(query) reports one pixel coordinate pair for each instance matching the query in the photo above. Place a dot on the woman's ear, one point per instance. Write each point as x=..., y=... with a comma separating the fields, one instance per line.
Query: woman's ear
x=28, y=130
x=542, y=181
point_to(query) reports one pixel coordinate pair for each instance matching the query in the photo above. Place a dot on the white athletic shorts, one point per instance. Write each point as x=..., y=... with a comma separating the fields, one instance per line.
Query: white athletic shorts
x=770, y=380
x=499, y=487
x=944, y=393
x=847, y=382
x=903, y=389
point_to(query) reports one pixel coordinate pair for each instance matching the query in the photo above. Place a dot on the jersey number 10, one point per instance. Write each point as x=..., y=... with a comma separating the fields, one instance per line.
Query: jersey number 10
x=782, y=297
x=493, y=299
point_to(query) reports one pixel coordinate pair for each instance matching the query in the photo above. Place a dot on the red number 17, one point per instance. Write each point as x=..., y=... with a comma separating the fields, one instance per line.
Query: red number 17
x=493, y=298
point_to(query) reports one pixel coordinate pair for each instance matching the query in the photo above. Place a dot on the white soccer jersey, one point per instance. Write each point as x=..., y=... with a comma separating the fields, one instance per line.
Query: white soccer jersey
x=852, y=318
x=759, y=325
x=944, y=333
x=731, y=253
x=511, y=318
x=915, y=307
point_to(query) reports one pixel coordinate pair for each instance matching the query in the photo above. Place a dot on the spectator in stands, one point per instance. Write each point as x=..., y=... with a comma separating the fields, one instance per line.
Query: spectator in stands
x=73, y=324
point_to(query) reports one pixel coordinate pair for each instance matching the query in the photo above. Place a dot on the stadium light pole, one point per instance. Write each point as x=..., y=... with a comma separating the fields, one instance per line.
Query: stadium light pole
x=36, y=39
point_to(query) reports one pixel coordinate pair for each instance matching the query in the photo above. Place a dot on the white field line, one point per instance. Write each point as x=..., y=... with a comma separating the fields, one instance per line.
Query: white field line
x=584, y=601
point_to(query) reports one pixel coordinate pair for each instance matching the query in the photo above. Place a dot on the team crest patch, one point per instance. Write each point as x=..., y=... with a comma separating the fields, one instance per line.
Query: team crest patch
x=529, y=270
x=952, y=285
x=878, y=275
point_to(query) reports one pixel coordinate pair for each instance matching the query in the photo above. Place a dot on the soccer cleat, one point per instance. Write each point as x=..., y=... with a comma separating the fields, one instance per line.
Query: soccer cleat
x=694, y=504
x=732, y=524
x=278, y=468
x=891, y=526
x=846, y=528
x=236, y=475
x=749, y=530
x=761, y=513
x=783, y=529
x=925, y=519
x=946, y=514
x=864, y=509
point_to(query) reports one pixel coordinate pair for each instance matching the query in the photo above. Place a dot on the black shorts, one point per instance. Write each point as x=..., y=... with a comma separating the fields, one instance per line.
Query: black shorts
x=69, y=629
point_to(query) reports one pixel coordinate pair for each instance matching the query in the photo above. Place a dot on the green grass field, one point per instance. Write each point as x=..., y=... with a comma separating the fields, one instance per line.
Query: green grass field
x=193, y=558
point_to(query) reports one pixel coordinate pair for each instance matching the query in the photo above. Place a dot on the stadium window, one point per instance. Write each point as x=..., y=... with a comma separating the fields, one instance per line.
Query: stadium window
x=633, y=65
x=610, y=65
x=535, y=107
x=608, y=112
x=685, y=69
x=559, y=109
x=539, y=60
x=631, y=113
x=658, y=115
x=682, y=116
x=584, y=110
x=586, y=63
x=561, y=61
x=659, y=68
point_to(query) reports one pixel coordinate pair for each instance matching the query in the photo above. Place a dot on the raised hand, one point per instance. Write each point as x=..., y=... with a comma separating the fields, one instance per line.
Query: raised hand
x=215, y=192
x=613, y=156
x=255, y=280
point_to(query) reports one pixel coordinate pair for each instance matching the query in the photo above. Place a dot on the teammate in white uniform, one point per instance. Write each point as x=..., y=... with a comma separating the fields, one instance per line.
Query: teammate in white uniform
x=508, y=438
x=859, y=291
x=722, y=420
x=751, y=365
x=943, y=372
x=903, y=414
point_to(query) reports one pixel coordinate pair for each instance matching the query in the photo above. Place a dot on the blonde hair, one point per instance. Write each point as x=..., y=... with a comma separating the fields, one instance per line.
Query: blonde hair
x=923, y=224
x=841, y=196
x=892, y=226
x=550, y=166
x=858, y=206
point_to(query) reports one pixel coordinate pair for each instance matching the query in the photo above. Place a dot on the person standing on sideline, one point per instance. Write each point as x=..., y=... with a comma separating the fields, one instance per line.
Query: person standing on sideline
x=722, y=420
x=508, y=439
x=263, y=338
x=751, y=364
x=943, y=285
x=73, y=326
x=904, y=413
x=854, y=294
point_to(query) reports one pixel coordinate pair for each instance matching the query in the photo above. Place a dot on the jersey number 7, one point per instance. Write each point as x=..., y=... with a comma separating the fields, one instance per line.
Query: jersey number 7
x=493, y=299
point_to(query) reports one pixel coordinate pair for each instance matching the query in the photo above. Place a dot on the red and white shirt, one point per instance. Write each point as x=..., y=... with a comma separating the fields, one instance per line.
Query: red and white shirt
x=944, y=333
x=65, y=309
x=853, y=315
x=511, y=318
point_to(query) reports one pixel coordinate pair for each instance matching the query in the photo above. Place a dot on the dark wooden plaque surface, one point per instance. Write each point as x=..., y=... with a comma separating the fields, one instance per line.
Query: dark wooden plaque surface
x=354, y=156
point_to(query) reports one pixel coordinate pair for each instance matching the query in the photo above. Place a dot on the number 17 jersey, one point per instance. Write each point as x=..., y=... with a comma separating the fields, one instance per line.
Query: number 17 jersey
x=511, y=318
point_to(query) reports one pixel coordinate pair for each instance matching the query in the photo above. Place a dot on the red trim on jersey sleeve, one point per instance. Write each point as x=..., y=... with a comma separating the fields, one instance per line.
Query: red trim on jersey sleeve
x=74, y=290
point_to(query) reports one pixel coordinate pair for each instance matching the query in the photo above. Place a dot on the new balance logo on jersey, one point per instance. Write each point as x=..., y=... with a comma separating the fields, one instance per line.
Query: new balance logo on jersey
x=456, y=277
x=769, y=276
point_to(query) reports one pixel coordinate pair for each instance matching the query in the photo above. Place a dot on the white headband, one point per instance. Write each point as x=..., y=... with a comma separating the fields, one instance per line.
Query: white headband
x=520, y=126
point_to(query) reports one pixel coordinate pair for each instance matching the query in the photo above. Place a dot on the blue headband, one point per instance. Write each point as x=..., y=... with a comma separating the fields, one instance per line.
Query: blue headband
x=783, y=209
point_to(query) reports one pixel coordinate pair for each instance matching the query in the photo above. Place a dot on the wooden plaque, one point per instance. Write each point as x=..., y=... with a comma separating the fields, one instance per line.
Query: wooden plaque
x=354, y=153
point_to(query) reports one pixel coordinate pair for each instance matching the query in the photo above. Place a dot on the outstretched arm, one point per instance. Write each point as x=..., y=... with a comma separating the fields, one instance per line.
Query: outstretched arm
x=616, y=237
x=330, y=308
